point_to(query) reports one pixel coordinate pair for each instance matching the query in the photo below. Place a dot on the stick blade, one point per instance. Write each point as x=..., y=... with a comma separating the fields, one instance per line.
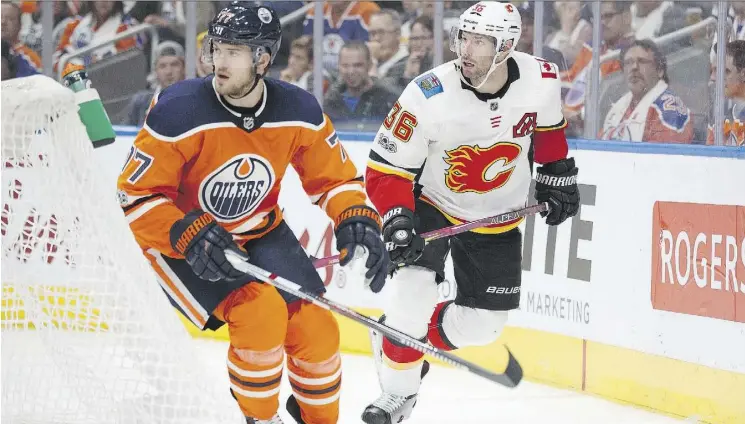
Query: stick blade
x=514, y=371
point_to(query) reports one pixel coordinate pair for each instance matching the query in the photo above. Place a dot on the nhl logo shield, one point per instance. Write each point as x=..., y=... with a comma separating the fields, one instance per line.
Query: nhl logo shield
x=494, y=106
x=248, y=122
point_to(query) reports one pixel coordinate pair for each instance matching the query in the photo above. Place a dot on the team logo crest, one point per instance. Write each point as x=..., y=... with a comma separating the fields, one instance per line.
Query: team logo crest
x=474, y=169
x=265, y=15
x=236, y=188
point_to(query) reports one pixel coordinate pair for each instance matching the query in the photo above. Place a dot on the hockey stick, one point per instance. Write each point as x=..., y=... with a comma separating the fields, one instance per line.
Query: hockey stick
x=457, y=229
x=511, y=376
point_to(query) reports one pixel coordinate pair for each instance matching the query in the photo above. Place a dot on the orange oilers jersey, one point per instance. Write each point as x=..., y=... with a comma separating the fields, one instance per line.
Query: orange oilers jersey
x=196, y=152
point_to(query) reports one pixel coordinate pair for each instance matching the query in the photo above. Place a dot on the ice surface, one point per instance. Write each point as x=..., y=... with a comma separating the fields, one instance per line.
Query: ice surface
x=455, y=397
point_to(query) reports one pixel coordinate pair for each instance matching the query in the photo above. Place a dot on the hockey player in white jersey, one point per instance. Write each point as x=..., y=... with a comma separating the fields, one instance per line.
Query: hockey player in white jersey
x=459, y=145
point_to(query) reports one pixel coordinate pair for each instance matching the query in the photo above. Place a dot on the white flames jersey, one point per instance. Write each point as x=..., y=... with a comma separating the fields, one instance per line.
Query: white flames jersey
x=476, y=150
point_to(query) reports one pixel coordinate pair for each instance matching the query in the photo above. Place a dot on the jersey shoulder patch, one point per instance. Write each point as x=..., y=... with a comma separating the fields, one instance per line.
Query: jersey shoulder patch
x=289, y=103
x=535, y=67
x=548, y=69
x=182, y=107
x=672, y=111
x=430, y=84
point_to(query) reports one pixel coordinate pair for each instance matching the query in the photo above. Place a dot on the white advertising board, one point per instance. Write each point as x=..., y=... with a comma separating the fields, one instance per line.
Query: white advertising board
x=654, y=262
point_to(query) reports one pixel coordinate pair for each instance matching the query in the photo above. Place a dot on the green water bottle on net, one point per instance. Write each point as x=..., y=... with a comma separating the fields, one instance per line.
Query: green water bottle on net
x=90, y=108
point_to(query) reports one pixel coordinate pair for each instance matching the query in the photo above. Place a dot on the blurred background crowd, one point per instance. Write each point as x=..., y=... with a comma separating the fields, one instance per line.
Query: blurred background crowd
x=638, y=71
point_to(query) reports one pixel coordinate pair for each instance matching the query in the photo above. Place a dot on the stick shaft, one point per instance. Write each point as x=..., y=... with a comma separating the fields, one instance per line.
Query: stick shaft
x=457, y=229
x=510, y=378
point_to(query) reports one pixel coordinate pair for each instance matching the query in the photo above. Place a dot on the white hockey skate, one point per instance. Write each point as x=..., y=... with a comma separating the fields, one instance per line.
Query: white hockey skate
x=388, y=408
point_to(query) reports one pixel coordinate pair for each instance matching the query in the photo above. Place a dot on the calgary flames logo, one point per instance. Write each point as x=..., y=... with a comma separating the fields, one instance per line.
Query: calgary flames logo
x=471, y=167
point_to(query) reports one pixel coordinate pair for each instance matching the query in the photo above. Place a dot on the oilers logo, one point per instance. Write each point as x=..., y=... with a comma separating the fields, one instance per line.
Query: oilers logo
x=236, y=188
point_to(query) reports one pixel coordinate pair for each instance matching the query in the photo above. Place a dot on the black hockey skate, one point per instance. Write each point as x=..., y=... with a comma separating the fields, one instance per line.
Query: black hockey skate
x=294, y=409
x=388, y=408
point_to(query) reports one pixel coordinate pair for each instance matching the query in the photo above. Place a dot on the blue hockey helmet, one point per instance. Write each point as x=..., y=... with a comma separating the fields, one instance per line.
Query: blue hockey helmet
x=247, y=24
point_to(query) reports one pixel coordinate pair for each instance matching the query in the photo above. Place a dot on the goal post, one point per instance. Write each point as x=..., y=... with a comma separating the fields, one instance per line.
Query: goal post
x=87, y=334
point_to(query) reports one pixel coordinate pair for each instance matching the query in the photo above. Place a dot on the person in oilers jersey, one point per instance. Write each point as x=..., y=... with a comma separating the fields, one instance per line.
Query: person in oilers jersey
x=459, y=145
x=204, y=175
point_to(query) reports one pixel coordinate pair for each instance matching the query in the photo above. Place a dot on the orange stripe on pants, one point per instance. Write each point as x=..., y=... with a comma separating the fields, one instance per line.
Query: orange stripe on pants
x=257, y=324
x=176, y=290
x=312, y=345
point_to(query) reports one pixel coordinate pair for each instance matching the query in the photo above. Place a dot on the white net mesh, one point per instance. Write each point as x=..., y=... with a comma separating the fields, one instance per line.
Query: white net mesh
x=87, y=334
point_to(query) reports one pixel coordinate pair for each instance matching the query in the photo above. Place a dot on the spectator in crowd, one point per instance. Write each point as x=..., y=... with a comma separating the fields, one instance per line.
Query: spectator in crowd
x=573, y=31
x=203, y=68
x=357, y=96
x=617, y=34
x=105, y=19
x=419, y=60
x=653, y=18
x=736, y=24
x=169, y=69
x=170, y=17
x=28, y=61
x=410, y=13
x=9, y=62
x=734, y=91
x=385, y=42
x=525, y=43
x=343, y=21
x=650, y=111
x=291, y=30
x=32, y=30
x=299, y=70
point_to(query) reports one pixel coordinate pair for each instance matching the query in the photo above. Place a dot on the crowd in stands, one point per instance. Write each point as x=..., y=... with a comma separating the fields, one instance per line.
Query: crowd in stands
x=652, y=89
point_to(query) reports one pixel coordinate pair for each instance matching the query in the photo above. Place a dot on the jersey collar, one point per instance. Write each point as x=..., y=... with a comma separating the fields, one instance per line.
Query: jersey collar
x=513, y=74
x=240, y=112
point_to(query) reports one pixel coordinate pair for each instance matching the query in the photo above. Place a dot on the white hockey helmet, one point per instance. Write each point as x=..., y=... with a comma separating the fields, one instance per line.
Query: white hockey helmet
x=500, y=21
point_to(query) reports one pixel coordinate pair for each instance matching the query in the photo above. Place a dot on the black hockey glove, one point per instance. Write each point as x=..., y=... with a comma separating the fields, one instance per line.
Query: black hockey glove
x=556, y=183
x=202, y=241
x=360, y=226
x=400, y=237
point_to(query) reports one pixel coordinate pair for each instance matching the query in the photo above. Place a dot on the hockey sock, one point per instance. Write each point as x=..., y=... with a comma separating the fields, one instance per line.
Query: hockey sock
x=436, y=333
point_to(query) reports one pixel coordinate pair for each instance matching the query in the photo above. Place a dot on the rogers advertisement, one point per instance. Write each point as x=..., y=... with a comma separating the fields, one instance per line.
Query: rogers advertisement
x=698, y=259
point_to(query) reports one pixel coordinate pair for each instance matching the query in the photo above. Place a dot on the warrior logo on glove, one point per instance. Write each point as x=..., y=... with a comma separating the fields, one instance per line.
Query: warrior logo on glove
x=203, y=241
x=359, y=226
x=556, y=183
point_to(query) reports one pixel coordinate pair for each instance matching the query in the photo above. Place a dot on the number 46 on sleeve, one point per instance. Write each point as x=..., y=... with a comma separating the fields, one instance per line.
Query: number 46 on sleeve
x=400, y=123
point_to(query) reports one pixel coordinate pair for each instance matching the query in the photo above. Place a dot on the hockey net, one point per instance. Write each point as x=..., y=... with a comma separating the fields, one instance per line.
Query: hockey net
x=87, y=334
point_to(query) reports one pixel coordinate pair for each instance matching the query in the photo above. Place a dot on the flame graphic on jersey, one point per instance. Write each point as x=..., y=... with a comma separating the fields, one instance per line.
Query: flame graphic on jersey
x=469, y=166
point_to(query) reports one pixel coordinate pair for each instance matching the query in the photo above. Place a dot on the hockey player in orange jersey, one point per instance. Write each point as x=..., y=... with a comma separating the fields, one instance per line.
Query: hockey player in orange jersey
x=204, y=175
